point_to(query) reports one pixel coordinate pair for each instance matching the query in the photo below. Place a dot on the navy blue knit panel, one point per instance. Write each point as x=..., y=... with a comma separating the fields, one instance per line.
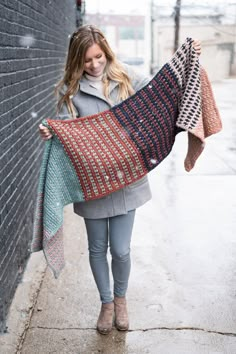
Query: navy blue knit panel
x=151, y=112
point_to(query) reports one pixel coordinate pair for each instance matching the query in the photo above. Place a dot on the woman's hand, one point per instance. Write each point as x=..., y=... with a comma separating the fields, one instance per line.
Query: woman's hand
x=197, y=46
x=44, y=132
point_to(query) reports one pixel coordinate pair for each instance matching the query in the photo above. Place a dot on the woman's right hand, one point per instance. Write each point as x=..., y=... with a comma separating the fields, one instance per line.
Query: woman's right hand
x=44, y=132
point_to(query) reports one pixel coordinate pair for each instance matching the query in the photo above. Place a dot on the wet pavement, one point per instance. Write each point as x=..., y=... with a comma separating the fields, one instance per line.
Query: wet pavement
x=182, y=289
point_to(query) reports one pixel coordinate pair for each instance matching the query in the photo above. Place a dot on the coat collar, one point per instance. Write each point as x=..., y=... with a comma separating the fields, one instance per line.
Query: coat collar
x=87, y=87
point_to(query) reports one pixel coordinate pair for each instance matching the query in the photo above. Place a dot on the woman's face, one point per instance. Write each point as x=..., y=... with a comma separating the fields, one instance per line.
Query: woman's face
x=95, y=61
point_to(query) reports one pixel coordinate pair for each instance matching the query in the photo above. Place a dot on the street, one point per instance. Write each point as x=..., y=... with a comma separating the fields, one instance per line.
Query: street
x=182, y=289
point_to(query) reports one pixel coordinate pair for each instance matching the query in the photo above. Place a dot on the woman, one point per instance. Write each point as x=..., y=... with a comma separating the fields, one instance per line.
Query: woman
x=94, y=81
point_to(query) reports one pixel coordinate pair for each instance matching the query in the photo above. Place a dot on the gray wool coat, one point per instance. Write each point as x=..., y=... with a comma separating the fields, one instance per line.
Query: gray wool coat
x=89, y=101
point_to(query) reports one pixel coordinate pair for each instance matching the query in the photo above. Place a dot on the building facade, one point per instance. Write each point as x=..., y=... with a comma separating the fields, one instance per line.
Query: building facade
x=125, y=34
x=34, y=40
x=147, y=40
x=214, y=26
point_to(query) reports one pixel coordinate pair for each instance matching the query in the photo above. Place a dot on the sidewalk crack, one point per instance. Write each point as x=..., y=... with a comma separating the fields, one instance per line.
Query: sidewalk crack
x=142, y=330
x=186, y=329
x=64, y=328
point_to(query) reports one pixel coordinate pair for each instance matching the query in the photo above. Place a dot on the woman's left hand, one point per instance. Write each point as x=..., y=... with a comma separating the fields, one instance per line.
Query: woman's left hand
x=197, y=46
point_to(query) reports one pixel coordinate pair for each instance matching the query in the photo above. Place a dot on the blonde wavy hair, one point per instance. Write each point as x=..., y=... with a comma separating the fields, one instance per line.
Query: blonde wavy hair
x=83, y=38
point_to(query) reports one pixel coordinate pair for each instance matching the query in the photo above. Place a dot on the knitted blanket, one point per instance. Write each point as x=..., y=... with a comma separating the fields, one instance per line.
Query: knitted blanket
x=90, y=157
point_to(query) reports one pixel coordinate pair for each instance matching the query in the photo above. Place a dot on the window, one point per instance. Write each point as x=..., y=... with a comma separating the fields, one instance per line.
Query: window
x=131, y=33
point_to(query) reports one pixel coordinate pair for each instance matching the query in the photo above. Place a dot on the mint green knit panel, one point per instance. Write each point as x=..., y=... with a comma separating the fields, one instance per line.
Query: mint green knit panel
x=62, y=187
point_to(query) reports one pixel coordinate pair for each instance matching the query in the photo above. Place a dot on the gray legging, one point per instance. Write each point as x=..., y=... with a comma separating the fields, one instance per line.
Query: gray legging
x=117, y=231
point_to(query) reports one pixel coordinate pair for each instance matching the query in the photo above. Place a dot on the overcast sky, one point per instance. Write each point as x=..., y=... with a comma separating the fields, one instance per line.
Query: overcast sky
x=138, y=6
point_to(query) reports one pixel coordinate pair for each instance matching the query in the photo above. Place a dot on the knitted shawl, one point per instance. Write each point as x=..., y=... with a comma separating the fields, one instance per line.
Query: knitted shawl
x=92, y=156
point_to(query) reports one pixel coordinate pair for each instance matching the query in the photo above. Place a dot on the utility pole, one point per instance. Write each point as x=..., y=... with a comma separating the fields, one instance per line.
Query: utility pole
x=177, y=22
x=80, y=12
x=152, y=36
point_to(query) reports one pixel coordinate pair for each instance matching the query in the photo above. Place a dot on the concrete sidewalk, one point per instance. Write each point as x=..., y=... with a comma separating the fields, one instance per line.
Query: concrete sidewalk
x=182, y=290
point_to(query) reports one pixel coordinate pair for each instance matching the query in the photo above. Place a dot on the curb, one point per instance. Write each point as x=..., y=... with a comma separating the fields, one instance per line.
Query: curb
x=23, y=304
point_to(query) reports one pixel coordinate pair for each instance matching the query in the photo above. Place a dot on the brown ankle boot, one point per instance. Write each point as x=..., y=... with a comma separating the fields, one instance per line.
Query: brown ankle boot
x=121, y=314
x=105, y=319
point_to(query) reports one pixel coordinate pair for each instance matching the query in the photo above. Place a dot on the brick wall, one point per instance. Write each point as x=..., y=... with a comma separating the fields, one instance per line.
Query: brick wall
x=33, y=43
